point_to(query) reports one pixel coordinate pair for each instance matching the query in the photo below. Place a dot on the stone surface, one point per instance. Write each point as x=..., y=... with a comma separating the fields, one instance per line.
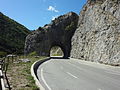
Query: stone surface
x=56, y=51
x=58, y=33
x=97, y=37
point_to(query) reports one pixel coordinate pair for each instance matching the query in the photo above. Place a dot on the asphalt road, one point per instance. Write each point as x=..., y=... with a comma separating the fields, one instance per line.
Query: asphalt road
x=70, y=74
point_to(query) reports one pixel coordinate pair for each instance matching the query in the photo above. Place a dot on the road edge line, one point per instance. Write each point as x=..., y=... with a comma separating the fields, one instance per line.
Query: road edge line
x=34, y=68
x=42, y=77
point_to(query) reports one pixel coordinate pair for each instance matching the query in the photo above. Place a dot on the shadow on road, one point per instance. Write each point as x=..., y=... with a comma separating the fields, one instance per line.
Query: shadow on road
x=58, y=58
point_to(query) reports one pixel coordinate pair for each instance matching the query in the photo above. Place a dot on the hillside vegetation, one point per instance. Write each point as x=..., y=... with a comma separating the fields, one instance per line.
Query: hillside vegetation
x=12, y=35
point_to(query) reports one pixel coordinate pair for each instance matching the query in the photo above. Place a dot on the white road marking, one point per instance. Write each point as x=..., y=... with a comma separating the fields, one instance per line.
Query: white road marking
x=76, y=66
x=71, y=75
x=99, y=89
x=42, y=77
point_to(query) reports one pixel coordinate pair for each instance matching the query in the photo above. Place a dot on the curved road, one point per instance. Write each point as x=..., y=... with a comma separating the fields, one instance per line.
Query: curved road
x=70, y=74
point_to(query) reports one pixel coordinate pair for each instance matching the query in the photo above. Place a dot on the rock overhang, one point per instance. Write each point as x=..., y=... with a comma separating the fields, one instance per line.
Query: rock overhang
x=59, y=32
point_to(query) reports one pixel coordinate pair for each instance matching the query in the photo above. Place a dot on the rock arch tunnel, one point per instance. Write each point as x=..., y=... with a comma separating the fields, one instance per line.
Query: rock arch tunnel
x=65, y=49
x=58, y=33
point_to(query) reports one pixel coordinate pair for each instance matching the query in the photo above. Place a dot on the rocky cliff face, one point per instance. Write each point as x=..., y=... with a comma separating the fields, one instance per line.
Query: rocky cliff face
x=97, y=37
x=56, y=51
x=58, y=33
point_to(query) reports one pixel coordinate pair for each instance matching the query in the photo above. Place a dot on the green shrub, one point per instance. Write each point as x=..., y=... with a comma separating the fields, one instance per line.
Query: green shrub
x=2, y=54
x=33, y=53
x=70, y=27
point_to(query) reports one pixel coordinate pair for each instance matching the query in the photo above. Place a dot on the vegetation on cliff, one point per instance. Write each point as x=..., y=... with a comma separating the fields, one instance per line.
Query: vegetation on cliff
x=12, y=35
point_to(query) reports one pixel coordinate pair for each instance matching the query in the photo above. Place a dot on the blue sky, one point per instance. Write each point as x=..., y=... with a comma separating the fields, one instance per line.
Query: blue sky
x=36, y=13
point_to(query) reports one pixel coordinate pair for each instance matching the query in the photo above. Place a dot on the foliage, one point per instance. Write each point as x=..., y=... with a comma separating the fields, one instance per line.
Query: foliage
x=2, y=54
x=12, y=35
x=33, y=53
x=70, y=27
x=56, y=51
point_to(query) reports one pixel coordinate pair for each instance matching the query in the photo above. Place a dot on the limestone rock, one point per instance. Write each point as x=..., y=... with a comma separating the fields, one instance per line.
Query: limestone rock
x=56, y=51
x=58, y=33
x=97, y=37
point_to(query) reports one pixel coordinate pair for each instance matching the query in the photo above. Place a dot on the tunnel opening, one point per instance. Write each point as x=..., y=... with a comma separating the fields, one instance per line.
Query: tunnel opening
x=56, y=51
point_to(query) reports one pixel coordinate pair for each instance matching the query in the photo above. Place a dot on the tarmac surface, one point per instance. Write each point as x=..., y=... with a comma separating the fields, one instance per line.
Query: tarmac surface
x=70, y=74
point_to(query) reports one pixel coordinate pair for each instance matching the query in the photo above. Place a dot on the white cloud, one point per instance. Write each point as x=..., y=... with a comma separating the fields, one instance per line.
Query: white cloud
x=51, y=8
x=53, y=17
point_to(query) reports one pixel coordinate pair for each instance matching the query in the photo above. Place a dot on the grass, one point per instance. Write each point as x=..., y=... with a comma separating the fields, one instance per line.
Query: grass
x=19, y=75
x=57, y=55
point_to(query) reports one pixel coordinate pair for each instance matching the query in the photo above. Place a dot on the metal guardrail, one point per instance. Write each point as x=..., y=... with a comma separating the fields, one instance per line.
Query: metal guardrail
x=2, y=65
x=4, y=62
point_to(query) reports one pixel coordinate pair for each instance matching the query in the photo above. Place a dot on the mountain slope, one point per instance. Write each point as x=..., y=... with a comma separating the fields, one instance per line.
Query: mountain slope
x=12, y=35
